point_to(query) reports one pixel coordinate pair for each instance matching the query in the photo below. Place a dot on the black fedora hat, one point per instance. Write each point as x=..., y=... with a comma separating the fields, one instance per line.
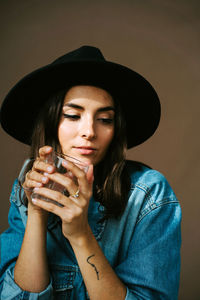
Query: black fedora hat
x=85, y=65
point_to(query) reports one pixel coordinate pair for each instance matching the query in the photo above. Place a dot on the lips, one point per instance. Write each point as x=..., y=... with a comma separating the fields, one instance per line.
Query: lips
x=85, y=150
x=85, y=147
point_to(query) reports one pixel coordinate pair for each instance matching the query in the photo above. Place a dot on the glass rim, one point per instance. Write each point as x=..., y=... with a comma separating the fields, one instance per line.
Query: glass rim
x=60, y=154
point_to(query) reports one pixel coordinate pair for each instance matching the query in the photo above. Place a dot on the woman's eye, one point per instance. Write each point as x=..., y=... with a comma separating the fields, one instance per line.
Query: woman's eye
x=106, y=120
x=72, y=117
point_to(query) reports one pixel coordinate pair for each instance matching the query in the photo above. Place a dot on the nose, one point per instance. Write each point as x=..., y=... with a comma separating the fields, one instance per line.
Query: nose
x=87, y=129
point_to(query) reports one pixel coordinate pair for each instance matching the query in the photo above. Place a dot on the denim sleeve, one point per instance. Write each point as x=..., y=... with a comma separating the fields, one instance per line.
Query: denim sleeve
x=152, y=266
x=11, y=241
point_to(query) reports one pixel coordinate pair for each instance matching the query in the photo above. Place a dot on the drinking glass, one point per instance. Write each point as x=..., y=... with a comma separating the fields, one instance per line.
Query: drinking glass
x=55, y=159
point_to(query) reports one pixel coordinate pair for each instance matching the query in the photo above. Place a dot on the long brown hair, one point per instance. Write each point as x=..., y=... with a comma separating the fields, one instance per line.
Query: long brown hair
x=112, y=182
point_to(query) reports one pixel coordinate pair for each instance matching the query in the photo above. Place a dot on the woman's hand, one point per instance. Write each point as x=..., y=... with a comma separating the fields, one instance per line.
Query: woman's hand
x=35, y=177
x=73, y=209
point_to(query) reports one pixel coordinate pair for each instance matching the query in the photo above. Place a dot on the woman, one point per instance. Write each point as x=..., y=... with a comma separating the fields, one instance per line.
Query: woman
x=116, y=233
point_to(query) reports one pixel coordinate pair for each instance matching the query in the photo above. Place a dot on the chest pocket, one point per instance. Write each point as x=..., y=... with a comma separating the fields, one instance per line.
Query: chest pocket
x=63, y=281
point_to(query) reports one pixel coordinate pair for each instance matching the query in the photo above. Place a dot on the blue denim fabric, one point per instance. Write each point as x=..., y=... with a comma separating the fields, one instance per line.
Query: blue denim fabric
x=142, y=246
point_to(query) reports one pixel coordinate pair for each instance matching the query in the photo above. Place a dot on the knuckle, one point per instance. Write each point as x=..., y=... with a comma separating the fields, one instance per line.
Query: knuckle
x=69, y=218
x=35, y=165
x=82, y=175
x=41, y=150
x=68, y=180
x=65, y=180
x=79, y=212
x=83, y=204
x=51, y=207
x=27, y=176
x=58, y=197
x=87, y=194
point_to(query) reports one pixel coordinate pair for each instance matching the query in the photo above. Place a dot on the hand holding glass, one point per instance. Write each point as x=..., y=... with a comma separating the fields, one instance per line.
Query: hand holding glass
x=55, y=159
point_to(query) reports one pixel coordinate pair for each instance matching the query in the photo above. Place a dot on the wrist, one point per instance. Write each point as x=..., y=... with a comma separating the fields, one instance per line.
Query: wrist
x=80, y=241
x=40, y=214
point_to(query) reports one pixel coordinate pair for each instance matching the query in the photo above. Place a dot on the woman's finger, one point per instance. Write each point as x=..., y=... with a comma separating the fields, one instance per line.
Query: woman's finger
x=42, y=166
x=80, y=175
x=31, y=181
x=40, y=177
x=47, y=206
x=74, y=192
x=66, y=214
x=67, y=182
x=90, y=174
x=30, y=184
x=54, y=195
x=44, y=151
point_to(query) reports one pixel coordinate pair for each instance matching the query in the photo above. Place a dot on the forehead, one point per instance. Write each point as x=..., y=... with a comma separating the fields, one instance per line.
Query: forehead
x=87, y=93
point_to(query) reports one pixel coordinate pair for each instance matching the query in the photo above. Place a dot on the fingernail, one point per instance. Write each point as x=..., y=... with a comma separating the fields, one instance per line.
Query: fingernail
x=34, y=200
x=44, y=179
x=65, y=163
x=46, y=174
x=49, y=169
x=35, y=189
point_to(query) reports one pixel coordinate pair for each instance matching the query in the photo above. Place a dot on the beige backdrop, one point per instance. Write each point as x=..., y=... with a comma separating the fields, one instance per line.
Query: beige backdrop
x=158, y=38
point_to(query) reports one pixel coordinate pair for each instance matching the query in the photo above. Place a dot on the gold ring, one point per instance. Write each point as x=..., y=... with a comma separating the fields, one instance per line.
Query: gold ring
x=76, y=195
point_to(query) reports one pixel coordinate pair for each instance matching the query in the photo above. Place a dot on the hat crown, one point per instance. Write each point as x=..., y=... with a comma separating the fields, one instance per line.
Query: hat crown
x=84, y=53
x=85, y=65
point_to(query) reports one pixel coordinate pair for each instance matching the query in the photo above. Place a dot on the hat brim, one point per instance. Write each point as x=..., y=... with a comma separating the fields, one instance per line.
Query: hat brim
x=138, y=99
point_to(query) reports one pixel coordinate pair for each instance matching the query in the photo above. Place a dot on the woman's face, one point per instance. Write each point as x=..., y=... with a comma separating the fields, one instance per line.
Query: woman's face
x=86, y=127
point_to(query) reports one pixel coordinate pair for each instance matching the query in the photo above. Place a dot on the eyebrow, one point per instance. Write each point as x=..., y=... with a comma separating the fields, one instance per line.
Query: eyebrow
x=106, y=108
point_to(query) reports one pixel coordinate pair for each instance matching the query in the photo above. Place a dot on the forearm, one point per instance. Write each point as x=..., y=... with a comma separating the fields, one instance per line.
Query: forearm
x=31, y=270
x=99, y=277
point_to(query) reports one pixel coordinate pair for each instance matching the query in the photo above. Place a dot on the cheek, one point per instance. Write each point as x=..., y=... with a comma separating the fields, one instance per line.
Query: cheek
x=64, y=132
x=107, y=136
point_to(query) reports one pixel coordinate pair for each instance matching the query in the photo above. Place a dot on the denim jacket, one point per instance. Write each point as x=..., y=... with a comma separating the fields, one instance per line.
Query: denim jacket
x=142, y=245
